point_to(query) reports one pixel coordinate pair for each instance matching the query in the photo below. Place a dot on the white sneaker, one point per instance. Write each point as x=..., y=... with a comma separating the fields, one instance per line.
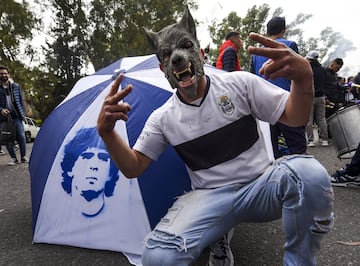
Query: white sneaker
x=220, y=252
x=311, y=144
x=324, y=143
x=2, y=152
x=13, y=161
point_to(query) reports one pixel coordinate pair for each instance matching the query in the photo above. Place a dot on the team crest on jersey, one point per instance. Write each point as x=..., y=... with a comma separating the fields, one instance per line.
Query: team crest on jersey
x=226, y=104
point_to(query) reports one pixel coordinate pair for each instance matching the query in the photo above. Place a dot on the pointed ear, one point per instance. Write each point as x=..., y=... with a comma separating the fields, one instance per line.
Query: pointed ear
x=152, y=37
x=187, y=22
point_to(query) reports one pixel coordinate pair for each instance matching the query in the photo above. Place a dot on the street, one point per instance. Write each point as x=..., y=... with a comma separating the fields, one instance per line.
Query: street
x=252, y=244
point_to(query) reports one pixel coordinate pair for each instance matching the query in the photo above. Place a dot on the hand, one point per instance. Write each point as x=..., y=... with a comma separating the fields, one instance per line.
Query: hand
x=113, y=108
x=283, y=61
x=5, y=112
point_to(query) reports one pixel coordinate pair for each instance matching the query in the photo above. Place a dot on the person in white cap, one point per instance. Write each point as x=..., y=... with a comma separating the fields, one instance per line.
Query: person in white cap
x=318, y=109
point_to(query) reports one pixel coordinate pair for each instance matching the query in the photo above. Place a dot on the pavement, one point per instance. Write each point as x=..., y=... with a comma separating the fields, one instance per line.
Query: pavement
x=252, y=244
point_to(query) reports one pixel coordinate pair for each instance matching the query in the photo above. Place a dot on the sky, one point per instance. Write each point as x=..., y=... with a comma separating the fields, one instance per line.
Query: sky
x=341, y=16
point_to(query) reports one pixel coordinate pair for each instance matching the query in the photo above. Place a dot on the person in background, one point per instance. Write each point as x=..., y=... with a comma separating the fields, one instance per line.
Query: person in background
x=228, y=58
x=318, y=109
x=295, y=137
x=350, y=175
x=12, y=103
x=334, y=91
x=354, y=83
x=349, y=96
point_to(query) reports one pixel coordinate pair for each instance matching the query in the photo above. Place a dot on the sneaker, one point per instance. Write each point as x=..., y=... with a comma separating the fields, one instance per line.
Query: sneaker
x=341, y=179
x=2, y=152
x=13, y=161
x=24, y=159
x=324, y=143
x=220, y=252
x=311, y=144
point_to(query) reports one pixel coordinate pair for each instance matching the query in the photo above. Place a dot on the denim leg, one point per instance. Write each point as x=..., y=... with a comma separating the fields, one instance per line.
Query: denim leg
x=11, y=151
x=296, y=188
x=20, y=136
x=196, y=220
x=20, y=132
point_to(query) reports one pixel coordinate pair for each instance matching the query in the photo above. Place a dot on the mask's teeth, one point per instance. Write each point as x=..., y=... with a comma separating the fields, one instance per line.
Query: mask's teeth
x=177, y=74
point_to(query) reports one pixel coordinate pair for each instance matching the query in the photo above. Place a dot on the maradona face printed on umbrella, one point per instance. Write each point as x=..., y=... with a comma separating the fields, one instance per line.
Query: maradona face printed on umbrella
x=89, y=174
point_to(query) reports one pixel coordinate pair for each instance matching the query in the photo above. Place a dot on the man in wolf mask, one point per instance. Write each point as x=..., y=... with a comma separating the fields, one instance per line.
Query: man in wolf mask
x=212, y=122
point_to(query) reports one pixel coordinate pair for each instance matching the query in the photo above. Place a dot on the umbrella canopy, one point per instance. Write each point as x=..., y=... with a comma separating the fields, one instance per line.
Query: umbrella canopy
x=79, y=197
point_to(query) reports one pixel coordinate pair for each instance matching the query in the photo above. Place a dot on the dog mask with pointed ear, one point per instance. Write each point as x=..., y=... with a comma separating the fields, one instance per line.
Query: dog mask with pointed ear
x=178, y=51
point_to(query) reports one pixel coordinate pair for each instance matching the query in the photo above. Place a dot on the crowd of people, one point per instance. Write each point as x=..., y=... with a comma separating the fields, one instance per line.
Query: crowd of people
x=332, y=93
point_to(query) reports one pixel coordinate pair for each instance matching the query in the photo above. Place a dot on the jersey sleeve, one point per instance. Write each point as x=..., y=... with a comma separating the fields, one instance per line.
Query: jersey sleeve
x=267, y=101
x=151, y=142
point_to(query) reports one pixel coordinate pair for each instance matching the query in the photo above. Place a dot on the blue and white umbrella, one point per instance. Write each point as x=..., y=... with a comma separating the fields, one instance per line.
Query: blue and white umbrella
x=120, y=216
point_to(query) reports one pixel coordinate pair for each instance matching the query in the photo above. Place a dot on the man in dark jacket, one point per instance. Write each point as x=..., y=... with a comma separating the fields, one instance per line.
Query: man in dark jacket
x=228, y=58
x=318, y=110
x=12, y=104
x=333, y=90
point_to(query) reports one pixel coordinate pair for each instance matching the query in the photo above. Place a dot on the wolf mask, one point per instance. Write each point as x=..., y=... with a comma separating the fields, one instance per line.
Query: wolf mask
x=178, y=51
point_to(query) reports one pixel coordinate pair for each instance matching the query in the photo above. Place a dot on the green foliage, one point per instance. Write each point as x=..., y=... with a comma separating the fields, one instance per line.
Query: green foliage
x=330, y=44
x=116, y=27
x=16, y=24
x=98, y=32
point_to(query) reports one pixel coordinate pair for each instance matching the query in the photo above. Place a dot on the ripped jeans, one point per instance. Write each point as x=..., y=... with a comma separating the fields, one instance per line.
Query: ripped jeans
x=295, y=188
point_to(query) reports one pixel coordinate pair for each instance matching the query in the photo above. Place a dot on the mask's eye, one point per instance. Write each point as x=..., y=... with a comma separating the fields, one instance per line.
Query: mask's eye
x=103, y=156
x=166, y=55
x=87, y=155
x=187, y=45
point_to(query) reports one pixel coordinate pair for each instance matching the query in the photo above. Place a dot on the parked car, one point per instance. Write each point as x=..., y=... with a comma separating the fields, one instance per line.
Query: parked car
x=31, y=129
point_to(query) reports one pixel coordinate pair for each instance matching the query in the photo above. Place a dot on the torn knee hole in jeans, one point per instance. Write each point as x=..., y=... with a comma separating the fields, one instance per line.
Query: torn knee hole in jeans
x=165, y=240
x=323, y=225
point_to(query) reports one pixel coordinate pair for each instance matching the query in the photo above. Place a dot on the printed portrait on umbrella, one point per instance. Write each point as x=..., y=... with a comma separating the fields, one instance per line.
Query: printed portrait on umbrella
x=89, y=174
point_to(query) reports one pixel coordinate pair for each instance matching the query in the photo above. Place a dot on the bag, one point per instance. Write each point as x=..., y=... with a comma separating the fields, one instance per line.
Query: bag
x=7, y=132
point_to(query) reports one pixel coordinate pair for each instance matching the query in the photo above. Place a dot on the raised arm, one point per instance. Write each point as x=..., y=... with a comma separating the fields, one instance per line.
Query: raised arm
x=130, y=162
x=284, y=62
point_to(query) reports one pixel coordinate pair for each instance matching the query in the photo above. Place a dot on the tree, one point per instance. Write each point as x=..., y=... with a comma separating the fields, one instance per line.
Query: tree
x=65, y=57
x=118, y=27
x=330, y=44
x=16, y=24
x=97, y=32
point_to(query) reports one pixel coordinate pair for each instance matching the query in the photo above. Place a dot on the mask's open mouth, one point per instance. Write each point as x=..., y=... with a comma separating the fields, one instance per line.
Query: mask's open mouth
x=186, y=76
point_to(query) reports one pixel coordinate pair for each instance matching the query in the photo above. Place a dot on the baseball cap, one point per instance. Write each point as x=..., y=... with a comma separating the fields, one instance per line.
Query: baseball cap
x=312, y=55
x=275, y=25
